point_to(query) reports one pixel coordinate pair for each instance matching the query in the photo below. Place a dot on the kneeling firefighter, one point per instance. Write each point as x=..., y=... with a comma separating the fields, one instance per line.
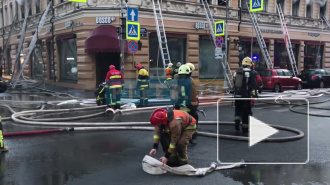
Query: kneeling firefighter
x=173, y=129
x=245, y=85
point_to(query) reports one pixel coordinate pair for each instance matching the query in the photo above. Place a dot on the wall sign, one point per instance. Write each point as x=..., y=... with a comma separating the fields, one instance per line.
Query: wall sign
x=271, y=31
x=105, y=20
x=71, y=24
x=200, y=25
x=313, y=34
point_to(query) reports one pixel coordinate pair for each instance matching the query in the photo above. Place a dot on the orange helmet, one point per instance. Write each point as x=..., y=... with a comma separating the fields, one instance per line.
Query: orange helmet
x=138, y=66
x=112, y=67
x=158, y=117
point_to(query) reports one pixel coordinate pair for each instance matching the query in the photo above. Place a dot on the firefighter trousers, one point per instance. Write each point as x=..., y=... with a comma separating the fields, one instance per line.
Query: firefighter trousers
x=242, y=111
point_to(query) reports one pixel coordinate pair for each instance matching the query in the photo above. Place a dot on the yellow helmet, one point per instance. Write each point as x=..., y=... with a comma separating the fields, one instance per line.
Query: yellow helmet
x=191, y=66
x=246, y=61
x=184, y=70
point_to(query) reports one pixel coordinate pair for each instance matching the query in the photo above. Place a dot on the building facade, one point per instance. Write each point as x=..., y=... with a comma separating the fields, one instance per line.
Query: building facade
x=86, y=39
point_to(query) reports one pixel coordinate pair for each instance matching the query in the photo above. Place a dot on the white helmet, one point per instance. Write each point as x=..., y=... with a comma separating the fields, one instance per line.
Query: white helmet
x=170, y=64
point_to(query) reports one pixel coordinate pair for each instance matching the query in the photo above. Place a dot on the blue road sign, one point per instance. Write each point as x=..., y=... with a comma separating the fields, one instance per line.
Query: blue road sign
x=133, y=31
x=219, y=28
x=256, y=5
x=132, y=46
x=132, y=14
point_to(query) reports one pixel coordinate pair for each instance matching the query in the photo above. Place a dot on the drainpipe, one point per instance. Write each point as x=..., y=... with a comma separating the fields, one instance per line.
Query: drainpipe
x=53, y=37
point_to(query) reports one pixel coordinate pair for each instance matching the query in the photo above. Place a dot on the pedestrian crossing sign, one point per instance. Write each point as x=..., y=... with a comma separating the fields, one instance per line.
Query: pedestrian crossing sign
x=132, y=30
x=219, y=28
x=256, y=5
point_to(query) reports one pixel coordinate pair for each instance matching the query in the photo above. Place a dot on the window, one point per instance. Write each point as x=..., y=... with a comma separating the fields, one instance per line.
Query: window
x=244, y=4
x=30, y=12
x=265, y=73
x=177, y=49
x=68, y=59
x=259, y=61
x=50, y=59
x=222, y=2
x=313, y=56
x=309, y=9
x=295, y=7
x=22, y=6
x=280, y=73
x=287, y=73
x=37, y=3
x=37, y=63
x=323, y=9
x=265, y=6
x=281, y=58
x=281, y=2
x=209, y=67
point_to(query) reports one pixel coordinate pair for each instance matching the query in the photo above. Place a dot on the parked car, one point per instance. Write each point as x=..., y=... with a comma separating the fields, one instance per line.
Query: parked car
x=315, y=78
x=279, y=79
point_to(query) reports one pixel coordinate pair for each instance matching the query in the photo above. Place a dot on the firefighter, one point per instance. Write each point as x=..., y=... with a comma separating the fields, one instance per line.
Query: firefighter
x=3, y=148
x=176, y=70
x=100, y=94
x=259, y=83
x=173, y=129
x=114, y=85
x=244, y=84
x=142, y=84
x=169, y=72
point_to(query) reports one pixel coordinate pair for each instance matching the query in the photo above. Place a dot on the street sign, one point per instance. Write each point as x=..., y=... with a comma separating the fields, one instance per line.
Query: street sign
x=219, y=28
x=132, y=46
x=143, y=32
x=219, y=41
x=132, y=30
x=132, y=14
x=78, y=1
x=218, y=53
x=256, y=5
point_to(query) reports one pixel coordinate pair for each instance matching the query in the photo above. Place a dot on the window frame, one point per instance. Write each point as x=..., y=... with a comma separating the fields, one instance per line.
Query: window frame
x=298, y=9
x=311, y=7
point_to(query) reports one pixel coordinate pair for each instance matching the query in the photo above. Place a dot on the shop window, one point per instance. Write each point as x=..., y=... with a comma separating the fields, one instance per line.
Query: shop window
x=37, y=3
x=50, y=59
x=281, y=2
x=295, y=7
x=257, y=56
x=281, y=58
x=177, y=49
x=209, y=67
x=37, y=63
x=313, y=56
x=309, y=10
x=323, y=10
x=68, y=60
x=222, y=2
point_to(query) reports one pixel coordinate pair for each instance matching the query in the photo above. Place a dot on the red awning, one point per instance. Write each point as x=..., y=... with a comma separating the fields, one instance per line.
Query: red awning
x=315, y=43
x=102, y=39
x=292, y=41
x=254, y=40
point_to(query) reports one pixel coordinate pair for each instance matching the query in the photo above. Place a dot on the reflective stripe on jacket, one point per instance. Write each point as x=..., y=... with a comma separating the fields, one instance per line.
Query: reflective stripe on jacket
x=114, y=79
x=143, y=79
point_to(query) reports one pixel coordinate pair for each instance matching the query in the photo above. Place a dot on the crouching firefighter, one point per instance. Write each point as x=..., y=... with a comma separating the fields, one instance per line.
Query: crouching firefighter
x=244, y=84
x=100, y=94
x=173, y=129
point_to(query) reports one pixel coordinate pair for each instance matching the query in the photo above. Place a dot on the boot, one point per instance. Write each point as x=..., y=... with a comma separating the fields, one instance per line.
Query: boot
x=237, y=123
x=245, y=128
x=4, y=149
x=145, y=102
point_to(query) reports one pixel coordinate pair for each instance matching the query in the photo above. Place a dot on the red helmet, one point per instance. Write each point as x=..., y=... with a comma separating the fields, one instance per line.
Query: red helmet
x=112, y=67
x=138, y=66
x=158, y=117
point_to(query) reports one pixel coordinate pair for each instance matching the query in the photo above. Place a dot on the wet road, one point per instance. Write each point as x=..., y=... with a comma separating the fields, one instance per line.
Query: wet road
x=104, y=157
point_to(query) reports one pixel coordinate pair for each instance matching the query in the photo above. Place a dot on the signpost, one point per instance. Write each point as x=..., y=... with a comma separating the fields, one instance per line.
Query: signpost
x=219, y=42
x=133, y=31
x=218, y=53
x=132, y=14
x=256, y=5
x=219, y=28
x=132, y=46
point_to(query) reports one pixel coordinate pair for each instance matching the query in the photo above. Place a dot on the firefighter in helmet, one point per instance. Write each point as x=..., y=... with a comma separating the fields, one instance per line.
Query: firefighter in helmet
x=142, y=84
x=244, y=87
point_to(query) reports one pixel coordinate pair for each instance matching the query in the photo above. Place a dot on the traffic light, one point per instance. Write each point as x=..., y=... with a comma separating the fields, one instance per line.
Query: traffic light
x=123, y=27
x=139, y=45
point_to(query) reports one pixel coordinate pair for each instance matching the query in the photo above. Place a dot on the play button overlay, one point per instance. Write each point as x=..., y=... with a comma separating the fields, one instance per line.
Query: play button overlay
x=259, y=131
x=277, y=135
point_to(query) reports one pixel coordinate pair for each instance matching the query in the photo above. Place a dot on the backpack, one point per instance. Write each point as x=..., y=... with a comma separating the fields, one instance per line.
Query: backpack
x=241, y=77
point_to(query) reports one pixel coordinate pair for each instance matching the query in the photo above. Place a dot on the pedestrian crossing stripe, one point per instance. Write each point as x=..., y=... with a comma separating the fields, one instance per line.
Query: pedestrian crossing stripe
x=256, y=5
x=132, y=30
x=219, y=28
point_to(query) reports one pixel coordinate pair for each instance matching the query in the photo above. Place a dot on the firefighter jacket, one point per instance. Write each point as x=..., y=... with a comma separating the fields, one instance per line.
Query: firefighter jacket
x=169, y=73
x=114, y=79
x=177, y=122
x=188, y=91
x=143, y=79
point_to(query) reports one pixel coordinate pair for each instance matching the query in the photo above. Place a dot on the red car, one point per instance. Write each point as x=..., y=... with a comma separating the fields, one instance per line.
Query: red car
x=279, y=79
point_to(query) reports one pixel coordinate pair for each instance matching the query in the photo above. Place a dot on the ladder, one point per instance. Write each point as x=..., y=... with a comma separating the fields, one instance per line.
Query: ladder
x=326, y=21
x=288, y=41
x=261, y=40
x=32, y=44
x=161, y=35
x=210, y=21
x=4, y=51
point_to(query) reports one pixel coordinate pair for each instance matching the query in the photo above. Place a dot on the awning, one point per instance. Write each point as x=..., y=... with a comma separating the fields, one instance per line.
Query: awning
x=254, y=40
x=292, y=41
x=314, y=43
x=102, y=39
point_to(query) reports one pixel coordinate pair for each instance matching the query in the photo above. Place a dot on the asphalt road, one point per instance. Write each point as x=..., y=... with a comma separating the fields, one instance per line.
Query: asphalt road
x=103, y=157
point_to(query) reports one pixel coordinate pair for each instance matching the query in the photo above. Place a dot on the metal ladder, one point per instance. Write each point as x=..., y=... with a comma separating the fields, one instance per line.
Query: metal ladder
x=326, y=21
x=32, y=44
x=261, y=40
x=210, y=21
x=288, y=41
x=161, y=35
x=4, y=51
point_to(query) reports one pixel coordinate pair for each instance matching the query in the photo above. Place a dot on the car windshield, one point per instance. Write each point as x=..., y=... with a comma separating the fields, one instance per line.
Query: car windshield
x=307, y=72
x=287, y=73
x=265, y=73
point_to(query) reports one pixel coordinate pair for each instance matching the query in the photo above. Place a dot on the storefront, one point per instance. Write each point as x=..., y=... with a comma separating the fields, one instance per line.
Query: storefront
x=256, y=54
x=281, y=57
x=313, y=55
